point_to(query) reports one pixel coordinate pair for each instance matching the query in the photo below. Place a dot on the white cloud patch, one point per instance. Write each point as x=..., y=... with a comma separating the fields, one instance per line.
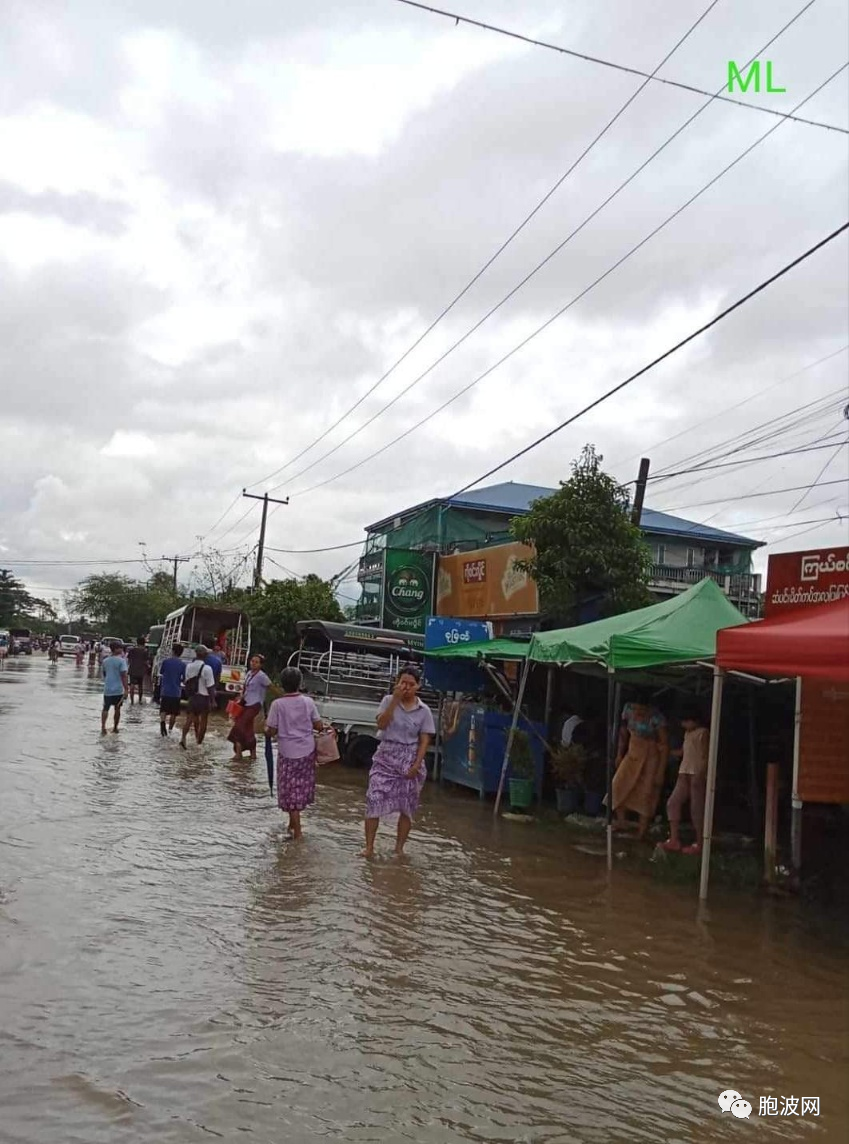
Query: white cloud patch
x=219, y=228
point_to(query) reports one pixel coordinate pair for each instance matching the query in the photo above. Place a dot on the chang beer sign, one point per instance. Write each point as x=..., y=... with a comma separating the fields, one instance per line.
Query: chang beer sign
x=407, y=589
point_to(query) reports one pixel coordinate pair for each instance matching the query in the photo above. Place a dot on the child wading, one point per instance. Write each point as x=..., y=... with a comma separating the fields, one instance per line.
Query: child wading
x=293, y=718
x=691, y=784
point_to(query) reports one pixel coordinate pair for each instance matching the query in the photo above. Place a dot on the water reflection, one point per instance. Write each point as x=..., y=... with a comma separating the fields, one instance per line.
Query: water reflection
x=173, y=967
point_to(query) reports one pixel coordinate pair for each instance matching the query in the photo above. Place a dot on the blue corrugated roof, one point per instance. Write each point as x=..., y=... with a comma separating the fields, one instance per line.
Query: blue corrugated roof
x=518, y=498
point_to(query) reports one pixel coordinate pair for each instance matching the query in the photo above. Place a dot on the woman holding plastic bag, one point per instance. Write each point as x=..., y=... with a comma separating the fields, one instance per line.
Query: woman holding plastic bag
x=249, y=704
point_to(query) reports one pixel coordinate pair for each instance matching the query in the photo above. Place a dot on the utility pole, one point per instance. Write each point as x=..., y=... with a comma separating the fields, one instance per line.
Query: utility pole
x=640, y=493
x=265, y=498
x=175, y=560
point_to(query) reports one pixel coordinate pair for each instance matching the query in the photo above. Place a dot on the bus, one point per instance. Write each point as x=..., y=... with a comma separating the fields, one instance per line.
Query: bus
x=347, y=669
x=226, y=631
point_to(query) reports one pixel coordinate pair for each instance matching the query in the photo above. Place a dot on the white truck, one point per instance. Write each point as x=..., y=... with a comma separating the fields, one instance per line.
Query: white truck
x=225, y=631
x=347, y=669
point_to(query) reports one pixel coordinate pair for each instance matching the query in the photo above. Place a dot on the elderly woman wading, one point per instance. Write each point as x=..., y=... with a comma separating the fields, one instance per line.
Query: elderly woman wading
x=398, y=771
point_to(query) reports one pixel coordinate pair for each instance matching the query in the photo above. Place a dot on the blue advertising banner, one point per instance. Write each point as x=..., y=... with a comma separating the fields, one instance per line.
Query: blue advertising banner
x=445, y=631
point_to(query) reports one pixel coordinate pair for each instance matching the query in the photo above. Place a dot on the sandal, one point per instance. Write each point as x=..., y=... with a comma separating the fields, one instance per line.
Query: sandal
x=695, y=848
x=671, y=847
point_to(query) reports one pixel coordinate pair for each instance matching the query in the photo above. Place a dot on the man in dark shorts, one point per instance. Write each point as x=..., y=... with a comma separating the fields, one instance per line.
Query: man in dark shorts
x=137, y=666
x=171, y=675
x=114, y=670
x=200, y=688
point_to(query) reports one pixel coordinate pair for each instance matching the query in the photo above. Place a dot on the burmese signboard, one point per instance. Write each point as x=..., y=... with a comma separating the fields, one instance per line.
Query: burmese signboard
x=486, y=583
x=799, y=579
x=407, y=589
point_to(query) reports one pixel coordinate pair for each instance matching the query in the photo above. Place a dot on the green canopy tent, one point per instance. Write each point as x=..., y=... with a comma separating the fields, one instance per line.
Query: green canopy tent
x=679, y=630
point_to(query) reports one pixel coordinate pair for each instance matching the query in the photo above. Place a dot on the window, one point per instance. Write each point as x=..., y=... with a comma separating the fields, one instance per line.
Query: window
x=691, y=557
x=660, y=554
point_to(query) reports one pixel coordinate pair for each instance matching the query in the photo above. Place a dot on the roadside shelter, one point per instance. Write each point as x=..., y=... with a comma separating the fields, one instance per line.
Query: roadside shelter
x=811, y=644
x=679, y=631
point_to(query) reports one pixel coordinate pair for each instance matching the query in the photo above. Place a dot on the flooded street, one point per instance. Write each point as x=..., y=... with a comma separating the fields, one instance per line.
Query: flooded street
x=173, y=969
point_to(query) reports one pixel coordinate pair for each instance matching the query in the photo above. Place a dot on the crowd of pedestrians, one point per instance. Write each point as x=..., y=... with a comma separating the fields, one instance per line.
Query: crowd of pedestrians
x=405, y=728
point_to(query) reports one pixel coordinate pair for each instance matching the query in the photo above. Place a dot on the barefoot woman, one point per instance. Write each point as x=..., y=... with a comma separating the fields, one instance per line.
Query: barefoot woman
x=293, y=718
x=398, y=772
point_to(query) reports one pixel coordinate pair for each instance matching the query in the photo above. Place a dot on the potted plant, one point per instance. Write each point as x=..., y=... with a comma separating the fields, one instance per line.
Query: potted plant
x=568, y=765
x=521, y=772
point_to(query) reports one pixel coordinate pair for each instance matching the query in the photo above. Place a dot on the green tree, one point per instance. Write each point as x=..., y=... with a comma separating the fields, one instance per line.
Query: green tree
x=15, y=600
x=276, y=609
x=586, y=548
x=121, y=606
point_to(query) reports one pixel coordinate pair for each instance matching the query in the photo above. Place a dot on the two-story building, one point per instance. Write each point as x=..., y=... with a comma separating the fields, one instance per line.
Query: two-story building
x=683, y=551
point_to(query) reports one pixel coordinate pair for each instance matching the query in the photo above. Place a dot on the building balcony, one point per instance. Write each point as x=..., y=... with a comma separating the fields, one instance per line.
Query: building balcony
x=742, y=588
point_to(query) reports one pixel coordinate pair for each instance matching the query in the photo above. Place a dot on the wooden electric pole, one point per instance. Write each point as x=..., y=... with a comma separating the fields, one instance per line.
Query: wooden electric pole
x=175, y=560
x=640, y=492
x=265, y=498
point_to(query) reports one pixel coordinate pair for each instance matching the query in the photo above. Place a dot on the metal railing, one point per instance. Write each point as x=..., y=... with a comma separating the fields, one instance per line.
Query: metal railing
x=349, y=675
x=734, y=584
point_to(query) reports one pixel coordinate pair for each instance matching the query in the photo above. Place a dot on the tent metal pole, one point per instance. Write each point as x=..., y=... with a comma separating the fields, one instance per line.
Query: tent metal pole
x=520, y=695
x=549, y=698
x=611, y=737
x=437, y=744
x=710, y=793
x=796, y=803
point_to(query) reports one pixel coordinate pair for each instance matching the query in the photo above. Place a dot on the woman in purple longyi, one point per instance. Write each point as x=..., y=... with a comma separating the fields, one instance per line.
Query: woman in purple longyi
x=398, y=772
x=293, y=718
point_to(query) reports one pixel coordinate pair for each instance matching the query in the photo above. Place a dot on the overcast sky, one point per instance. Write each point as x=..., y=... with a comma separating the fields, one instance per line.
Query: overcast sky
x=221, y=224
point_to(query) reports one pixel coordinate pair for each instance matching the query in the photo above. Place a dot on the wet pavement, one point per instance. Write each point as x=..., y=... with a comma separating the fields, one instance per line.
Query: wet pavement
x=173, y=969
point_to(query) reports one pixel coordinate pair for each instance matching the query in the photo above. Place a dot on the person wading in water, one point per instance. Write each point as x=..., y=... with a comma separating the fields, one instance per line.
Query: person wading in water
x=200, y=689
x=398, y=770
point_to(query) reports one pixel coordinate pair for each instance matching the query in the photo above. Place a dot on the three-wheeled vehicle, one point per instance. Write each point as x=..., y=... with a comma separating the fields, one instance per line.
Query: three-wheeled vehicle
x=225, y=631
x=347, y=669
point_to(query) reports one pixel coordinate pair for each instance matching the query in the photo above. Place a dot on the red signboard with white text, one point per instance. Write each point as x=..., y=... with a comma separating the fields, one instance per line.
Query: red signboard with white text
x=799, y=579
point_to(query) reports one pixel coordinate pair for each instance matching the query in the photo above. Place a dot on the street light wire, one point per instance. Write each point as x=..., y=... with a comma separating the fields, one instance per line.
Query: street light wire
x=530, y=40
x=447, y=309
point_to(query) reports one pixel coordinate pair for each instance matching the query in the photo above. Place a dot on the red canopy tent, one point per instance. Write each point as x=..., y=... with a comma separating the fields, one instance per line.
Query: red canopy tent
x=811, y=641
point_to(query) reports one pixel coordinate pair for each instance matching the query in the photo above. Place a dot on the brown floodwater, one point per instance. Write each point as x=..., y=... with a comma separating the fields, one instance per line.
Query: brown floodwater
x=172, y=969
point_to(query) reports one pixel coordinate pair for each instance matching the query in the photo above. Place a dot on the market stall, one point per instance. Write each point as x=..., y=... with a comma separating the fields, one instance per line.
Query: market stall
x=680, y=630
x=811, y=644
x=472, y=734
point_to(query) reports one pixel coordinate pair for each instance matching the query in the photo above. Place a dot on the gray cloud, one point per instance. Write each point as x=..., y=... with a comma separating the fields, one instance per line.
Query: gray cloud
x=241, y=290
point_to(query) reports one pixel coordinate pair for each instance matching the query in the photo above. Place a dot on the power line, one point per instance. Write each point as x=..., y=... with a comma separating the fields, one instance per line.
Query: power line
x=540, y=329
x=540, y=265
x=447, y=309
x=230, y=506
x=750, y=496
x=458, y=19
x=730, y=409
x=752, y=439
x=742, y=461
x=312, y=551
x=816, y=482
x=662, y=357
x=785, y=539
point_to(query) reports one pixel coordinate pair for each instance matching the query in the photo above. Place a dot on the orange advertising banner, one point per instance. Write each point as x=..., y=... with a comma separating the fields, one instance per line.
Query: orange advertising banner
x=486, y=584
